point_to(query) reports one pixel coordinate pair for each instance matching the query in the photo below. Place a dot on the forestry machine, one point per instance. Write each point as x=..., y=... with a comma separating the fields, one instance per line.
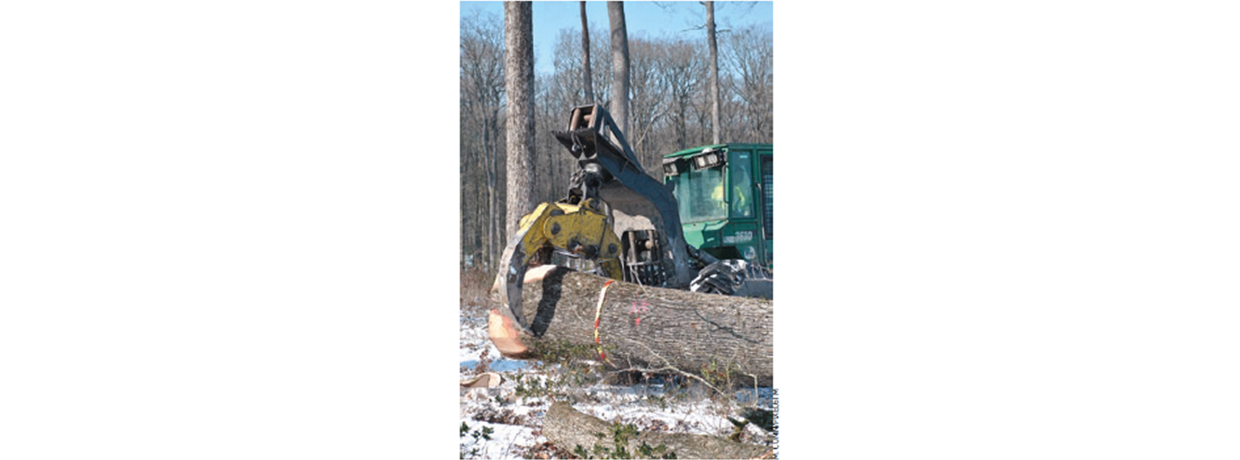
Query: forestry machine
x=620, y=223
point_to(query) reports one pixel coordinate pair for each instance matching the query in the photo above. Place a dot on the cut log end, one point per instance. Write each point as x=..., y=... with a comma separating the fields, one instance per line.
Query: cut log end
x=505, y=336
x=483, y=380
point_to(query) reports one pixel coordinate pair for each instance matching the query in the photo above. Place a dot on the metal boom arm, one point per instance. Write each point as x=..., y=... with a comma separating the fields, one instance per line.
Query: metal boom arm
x=642, y=202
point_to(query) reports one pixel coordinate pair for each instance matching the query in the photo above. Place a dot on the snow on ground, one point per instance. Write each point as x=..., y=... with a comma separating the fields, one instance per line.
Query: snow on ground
x=475, y=345
x=514, y=410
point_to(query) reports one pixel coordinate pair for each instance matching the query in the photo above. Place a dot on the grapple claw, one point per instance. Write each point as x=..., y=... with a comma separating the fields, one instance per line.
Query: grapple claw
x=512, y=276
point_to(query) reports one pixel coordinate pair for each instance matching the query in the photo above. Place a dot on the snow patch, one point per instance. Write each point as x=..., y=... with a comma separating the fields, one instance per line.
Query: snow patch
x=514, y=419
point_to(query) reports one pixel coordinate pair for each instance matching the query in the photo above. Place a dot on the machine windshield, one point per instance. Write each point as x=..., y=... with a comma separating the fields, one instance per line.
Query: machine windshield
x=700, y=195
x=742, y=202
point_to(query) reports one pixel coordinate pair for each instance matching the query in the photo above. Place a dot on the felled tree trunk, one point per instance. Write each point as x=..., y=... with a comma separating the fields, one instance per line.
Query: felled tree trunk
x=646, y=328
x=568, y=428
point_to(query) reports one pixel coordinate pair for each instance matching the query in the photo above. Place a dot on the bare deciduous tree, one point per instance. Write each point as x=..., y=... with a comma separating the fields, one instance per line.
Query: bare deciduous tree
x=569, y=71
x=750, y=55
x=681, y=72
x=648, y=105
x=587, y=84
x=519, y=71
x=714, y=70
x=620, y=65
x=482, y=93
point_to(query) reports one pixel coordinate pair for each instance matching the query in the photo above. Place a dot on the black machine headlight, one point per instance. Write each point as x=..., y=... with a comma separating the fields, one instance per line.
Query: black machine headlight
x=675, y=167
x=708, y=159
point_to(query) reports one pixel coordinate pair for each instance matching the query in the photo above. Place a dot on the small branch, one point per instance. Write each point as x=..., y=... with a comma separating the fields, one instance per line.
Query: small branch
x=668, y=366
x=665, y=369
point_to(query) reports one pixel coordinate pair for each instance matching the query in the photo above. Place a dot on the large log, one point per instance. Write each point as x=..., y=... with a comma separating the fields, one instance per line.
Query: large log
x=644, y=327
x=568, y=428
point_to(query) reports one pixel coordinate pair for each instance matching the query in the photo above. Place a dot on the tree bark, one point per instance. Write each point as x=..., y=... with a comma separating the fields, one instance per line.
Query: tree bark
x=719, y=338
x=568, y=428
x=588, y=84
x=519, y=76
x=714, y=72
x=620, y=66
x=492, y=171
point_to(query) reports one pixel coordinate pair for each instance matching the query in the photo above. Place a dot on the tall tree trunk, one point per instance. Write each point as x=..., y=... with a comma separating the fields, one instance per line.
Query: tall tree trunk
x=620, y=66
x=588, y=84
x=681, y=135
x=488, y=149
x=464, y=210
x=496, y=201
x=714, y=72
x=519, y=86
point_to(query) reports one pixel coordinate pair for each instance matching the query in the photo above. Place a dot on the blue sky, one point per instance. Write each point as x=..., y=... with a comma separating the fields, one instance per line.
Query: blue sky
x=674, y=19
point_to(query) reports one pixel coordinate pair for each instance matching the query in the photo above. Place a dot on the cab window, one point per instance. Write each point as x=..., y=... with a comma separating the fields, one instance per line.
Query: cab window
x=700, y=195
x=741, y=194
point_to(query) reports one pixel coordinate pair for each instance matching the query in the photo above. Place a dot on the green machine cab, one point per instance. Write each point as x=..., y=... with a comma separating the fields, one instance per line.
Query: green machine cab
x=725, y=194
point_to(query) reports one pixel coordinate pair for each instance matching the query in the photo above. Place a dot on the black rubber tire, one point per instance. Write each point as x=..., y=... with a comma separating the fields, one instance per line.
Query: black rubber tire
x=726, y=276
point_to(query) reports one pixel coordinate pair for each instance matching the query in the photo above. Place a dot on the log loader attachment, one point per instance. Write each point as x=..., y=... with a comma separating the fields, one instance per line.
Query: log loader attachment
x=618, y=222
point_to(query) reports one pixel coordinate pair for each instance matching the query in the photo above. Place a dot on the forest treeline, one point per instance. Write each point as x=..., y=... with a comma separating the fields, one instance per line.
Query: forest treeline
x=669, y=110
